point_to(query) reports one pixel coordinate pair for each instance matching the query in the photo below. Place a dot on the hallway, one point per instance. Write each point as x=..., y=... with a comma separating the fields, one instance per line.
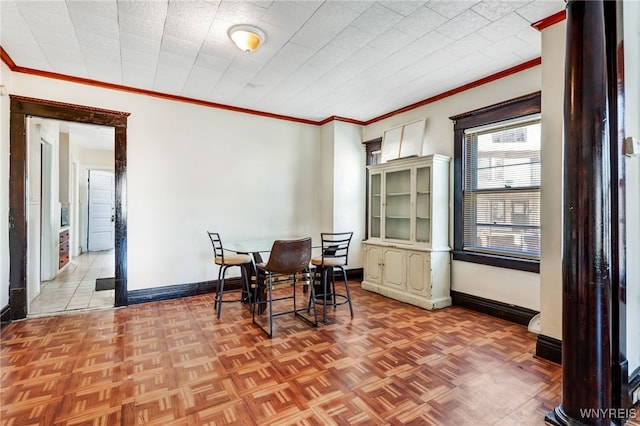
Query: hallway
x=74, y=288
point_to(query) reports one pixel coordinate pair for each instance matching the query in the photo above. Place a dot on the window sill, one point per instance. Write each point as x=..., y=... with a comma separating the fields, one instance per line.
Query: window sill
x=527, y=265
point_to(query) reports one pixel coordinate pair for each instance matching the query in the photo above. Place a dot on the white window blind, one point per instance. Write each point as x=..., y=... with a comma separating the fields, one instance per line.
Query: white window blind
x=501, y=188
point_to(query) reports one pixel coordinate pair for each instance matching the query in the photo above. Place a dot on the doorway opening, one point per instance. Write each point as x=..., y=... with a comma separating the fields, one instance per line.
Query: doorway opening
x=20, y=222
x=71, y=157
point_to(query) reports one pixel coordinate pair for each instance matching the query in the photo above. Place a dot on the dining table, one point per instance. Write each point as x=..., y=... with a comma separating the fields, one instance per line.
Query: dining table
x=257, y=248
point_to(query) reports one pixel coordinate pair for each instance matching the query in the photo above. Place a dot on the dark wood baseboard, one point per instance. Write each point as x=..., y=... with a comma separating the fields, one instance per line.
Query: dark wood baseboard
x=355, y=274
x=512, y=313
x=549, y=348
x=177, y=291
x=185, y=290
x=5, y=316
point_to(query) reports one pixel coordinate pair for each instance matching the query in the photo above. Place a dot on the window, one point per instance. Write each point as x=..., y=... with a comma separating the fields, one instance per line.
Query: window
x=497, y=184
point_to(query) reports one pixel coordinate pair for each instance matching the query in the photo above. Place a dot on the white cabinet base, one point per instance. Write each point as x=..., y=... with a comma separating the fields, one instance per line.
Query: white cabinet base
x=409, y=298
x=410, y=275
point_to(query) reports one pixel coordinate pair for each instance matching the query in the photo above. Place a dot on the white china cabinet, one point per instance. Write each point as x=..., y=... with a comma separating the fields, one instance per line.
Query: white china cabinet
x=407, y=254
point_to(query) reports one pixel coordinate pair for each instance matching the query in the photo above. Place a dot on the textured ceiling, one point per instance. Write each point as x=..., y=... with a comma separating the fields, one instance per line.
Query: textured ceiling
x=353, y=59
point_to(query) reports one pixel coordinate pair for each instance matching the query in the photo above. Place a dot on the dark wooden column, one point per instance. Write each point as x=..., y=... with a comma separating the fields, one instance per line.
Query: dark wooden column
x=587, y=221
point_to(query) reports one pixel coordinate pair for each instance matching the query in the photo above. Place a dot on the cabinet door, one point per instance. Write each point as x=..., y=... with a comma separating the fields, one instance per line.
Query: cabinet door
x=373, y=264
x=375, y=205
x=397, y=205
x=418, y=279
x=394, y=267
x=423, y=205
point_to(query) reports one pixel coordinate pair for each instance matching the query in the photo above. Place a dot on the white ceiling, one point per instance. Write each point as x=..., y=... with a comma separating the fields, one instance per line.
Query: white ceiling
x=90, y=136
x=85, y=136
x=353, y=59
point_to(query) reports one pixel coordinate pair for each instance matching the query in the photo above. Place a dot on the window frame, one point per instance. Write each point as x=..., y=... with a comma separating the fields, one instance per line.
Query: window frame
x=508, y=110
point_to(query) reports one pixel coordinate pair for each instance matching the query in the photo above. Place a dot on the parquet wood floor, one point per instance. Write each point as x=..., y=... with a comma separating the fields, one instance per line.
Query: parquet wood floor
x=174, y=363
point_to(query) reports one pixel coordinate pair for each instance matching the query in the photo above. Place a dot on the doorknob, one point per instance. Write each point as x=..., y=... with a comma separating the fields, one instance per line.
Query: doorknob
x=113, y=218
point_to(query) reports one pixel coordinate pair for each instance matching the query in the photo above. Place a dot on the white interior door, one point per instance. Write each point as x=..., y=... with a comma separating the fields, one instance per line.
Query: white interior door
x=101, y=210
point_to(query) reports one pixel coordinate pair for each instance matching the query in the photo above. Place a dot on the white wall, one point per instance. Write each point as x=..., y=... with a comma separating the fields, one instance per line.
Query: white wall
x=553, y=48
x=349, y=187
x=341, y=189
x=323, y=202
x=632, y=127
x=192, y=169
x=505, y=285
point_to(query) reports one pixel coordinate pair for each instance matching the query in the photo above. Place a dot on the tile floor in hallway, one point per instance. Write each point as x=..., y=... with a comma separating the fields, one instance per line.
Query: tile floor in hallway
x=74, y=288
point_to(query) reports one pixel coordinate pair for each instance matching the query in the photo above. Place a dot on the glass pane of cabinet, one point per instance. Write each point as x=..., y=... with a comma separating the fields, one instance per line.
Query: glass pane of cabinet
x=397, y=225
x=409, y=202
x=376, y=205
x=423, y=205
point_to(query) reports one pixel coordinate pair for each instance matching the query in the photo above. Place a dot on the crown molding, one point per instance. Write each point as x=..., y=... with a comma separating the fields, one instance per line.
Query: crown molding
x=112, y=86
x=550, y=20
x=7, y=59
x=343, y=119
x=488, y=79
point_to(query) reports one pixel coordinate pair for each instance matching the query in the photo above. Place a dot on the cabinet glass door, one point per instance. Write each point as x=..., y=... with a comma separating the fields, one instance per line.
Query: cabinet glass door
x=375, y=205
x=423, y=205
x=397, y=220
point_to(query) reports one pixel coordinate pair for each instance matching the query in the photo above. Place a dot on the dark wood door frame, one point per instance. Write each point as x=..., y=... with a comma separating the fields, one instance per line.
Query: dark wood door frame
x=21, y=108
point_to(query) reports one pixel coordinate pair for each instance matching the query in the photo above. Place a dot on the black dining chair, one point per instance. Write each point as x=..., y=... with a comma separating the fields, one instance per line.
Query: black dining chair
x=287, y=257
x=332, y=260
x=226, y=261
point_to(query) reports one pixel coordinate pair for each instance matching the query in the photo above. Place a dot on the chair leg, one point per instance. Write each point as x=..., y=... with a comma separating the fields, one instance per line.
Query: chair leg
x=313, y=297
x=221, y=274
x=270, y=307
x=295, y=311
x=346, y=286
x=245, y=290
x=313, y=277
x=255, y=298
x=333, y=287
x=247, y=286
x=325, y=279
x=216, y=296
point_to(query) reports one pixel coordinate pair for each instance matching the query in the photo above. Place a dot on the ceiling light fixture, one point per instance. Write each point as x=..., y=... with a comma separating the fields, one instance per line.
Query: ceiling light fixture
x=247, y=37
